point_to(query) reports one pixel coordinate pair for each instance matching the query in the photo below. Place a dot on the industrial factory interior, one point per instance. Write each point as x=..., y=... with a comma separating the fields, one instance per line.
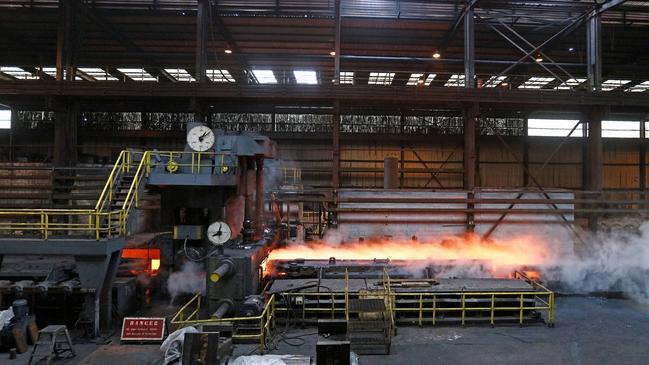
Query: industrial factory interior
x=330, y=182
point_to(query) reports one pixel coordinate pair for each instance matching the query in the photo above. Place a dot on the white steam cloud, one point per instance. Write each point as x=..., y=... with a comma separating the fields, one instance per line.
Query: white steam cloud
x=616, y=261
x=190, y=280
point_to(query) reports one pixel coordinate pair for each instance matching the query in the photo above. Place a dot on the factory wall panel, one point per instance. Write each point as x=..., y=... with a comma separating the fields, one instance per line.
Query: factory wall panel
x=564, y=170
x=621, y=169
x=497, y=166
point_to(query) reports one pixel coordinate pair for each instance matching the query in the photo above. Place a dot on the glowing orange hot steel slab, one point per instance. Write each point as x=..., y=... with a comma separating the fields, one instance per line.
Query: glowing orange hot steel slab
x=503, y=255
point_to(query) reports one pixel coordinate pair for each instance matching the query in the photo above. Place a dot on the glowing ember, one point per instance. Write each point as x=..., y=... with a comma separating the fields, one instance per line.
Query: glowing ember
x=503, y=255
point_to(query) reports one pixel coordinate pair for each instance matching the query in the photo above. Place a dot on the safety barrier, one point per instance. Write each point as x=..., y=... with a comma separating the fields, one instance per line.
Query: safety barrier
x=106, y=220
x=266, y=320
x=421, y=306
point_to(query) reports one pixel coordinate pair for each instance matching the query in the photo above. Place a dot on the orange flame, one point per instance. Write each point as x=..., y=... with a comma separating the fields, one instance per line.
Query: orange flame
x=516, y=252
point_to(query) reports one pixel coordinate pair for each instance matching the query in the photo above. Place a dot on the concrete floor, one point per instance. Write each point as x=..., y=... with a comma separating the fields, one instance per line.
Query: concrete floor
x=588, y=331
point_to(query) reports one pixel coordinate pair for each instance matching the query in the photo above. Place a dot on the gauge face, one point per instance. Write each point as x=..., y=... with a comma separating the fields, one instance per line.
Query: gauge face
x=218, y=233
x=200, y=138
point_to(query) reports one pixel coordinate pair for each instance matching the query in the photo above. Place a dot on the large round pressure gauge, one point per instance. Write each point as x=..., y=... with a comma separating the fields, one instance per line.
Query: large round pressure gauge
x=218, y=233
x=200, y=138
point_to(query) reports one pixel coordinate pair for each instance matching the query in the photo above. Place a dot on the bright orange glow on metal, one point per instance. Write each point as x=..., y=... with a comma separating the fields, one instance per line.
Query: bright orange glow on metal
x=150, y=255
x=503, y=255
x=155, y=264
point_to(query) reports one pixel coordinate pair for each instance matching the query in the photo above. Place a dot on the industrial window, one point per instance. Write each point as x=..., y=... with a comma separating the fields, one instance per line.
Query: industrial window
x=346, y=78
x=553, y=127
x=220, y=76
x=18, y=73
x=414, y=79
x=305, y=77
x=265, y=76
x=180, y=74
x=570, y=84
x=97, y=73
x=430, y=79
x=380, y=78
x=494, y=81
x=621, y=129
x=5, y=119
x=137, y=74
x=536, y=82
x=455, y=81
x=642, y=87
x=51, y=71
x=610, y=85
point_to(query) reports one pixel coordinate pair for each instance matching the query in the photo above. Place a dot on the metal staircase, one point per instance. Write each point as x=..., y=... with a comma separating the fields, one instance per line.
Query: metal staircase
x=106, y=218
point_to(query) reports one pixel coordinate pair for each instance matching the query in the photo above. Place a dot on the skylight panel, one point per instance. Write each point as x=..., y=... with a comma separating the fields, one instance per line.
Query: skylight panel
x=380, y=78
x=97, y=73
x=642, y=87
x=430, y=79
x=18, y=73
x=346, y=78
x=455, y=81
x=494, y=81
x=51, y=71
x=180, y=74
x=137, y=74
x=570, y=84
x=610, y=85
x=536, y=82
x=413, y=79
x=220, y=76
x=265, y=76
x=305, y=77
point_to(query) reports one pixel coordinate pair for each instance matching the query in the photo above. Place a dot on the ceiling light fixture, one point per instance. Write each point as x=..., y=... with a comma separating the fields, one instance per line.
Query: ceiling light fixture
x=504, y=84
x=332, y=53
x=228, y=51
x=538, y=58
x=420, y=81
x=436, y=55
x=571, y=49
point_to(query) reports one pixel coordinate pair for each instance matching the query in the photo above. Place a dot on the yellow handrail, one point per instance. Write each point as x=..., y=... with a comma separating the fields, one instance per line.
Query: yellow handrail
x=119, y=166
x=99, y=218
x=266, y=320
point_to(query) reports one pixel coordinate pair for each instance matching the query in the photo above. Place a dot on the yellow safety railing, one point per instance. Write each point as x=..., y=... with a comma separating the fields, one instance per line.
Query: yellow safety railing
x=173, y=161
x=427, y=306
x=103, y=220
x=266, y=320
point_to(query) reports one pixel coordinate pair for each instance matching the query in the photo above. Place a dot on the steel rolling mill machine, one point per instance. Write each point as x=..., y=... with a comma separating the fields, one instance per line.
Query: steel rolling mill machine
x=212, y=198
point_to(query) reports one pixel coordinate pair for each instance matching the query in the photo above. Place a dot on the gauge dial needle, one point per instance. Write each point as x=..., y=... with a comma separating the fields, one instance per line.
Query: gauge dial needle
x=218, y=233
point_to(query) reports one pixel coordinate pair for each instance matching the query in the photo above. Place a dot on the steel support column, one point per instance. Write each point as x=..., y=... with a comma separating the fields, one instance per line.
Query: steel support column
x=202, y=19
x=259, y=197
x=526, y=154
x=67, y=40
x=595, y=157
x=65, y=135
x=470, y=114
x=469, y=49
x=337, y=44
x=594, y=51
x=335, y=163
x=642, y=160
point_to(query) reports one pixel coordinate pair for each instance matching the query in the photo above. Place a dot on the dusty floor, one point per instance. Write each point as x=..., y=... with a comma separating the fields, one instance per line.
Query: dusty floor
x=588, y=331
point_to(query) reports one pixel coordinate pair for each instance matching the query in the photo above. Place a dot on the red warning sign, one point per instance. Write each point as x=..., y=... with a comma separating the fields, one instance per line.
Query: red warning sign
x=143, y=329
